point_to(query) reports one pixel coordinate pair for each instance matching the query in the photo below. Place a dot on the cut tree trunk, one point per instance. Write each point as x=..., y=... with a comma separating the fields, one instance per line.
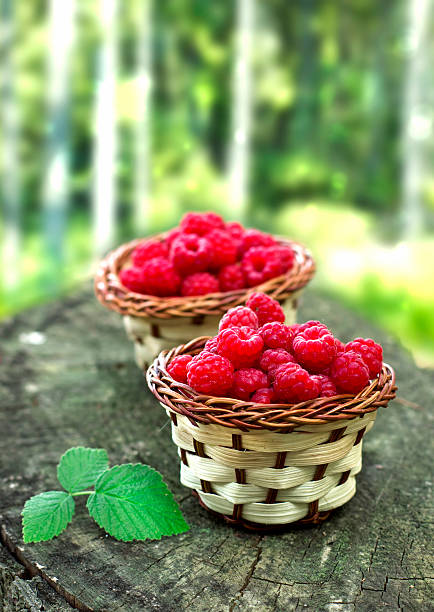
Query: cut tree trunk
x=76, y=384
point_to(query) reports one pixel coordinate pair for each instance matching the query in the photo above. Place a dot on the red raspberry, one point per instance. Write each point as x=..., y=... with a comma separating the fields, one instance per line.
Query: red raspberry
x=255, y=238
x=276, y=335
x=293, y=384
x=161, y=277
x=200, y=223
x=259, y=265
x=215, y=220
x=314, y=348
x=371, y=353
x=210, y=374
x=242, y=345
x=172, y=235
x=148, y=250
x=132, y=279
x=231, y=278
x=302, y=327
x=246, y=382
x=286, y=256
x=349, y=372
x=211, y=345
x=340, y=346
x=177, y=368
x=263, y=396
x=266, y=308
x=190, y=254
x=273, y=358
x=200, y=283
x=328, y=387
x=223, y=248
x=240, y=316
x=235, y=229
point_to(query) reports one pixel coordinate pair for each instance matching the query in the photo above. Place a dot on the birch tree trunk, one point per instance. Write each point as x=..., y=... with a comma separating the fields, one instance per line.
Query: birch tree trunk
x=104, y=185
x=417, y=115
x=241, y=109
x=10, y=180
x=143, y=126
x=55, y=188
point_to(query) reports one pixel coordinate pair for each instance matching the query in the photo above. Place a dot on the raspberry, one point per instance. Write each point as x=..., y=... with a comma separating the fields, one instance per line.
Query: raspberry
x=161, y=277
x=266, y=308
x=190, y=254
x=286, y=257
x=200, y=223
x=177, y=368
x=200, y=283
x=240, y=316
x=247, y=381
x=210, y=374
x=215, y=220
x=223, y=248
x=340, y=346
x=255, y=238
x=231, y=278
x=259, y=265
x=235, y=229
x=276, y=335
x=273, y=358
x=328, y=387
x=242, y=345
x=304, y=326
x=148, y=250
x=314, y=348
x=132, y=279
x=211, y=345
x=172, y=235
x=263, y=396
x=294, y=384
x=349, y=372
x=371, y=353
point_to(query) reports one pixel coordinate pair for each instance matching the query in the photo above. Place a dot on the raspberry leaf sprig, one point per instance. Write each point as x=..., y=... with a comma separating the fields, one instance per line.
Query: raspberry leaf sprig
x=130, y=502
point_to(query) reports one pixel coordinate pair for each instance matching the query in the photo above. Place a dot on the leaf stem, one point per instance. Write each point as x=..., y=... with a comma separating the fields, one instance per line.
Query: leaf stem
x=82, y=493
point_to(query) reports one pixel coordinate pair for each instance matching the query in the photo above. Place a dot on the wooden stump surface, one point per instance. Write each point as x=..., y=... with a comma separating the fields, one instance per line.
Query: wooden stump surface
x=74, y=382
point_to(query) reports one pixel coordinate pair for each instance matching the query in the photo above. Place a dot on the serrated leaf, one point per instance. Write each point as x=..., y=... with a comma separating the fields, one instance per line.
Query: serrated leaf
x=46, y=515
x=80, y=467
x=131, y=502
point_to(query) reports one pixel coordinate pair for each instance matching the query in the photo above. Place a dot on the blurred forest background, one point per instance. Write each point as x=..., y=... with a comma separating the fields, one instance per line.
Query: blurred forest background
x=312, y=119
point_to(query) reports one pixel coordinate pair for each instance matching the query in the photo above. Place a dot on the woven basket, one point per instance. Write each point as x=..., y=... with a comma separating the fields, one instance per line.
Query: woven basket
x=155, y=324
x=265, y=466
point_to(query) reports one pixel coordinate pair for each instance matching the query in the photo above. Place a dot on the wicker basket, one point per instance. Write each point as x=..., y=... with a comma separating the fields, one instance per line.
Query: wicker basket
x=155, y=324
x=265, y=466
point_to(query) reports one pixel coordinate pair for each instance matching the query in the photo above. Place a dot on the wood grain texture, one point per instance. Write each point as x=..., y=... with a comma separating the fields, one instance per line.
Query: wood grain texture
x=82, y=387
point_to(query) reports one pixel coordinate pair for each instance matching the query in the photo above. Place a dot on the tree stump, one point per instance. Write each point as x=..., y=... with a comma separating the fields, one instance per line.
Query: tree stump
x=68, y=378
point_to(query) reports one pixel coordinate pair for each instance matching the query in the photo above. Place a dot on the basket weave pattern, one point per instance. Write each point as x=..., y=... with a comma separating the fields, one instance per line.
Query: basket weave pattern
x=262, y=466
x=155, y=324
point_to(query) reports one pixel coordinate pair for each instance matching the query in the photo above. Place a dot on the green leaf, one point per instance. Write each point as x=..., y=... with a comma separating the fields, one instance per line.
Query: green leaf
x=46, y=515
x=80, y=467
x=131, y=502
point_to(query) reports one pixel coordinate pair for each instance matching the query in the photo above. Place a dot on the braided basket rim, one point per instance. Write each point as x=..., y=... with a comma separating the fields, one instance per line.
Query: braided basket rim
x=113, y=295
x=245, y=416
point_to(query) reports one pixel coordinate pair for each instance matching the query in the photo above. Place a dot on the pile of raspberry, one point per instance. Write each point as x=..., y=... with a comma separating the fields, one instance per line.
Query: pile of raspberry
x=255, y=357
x=205, y=255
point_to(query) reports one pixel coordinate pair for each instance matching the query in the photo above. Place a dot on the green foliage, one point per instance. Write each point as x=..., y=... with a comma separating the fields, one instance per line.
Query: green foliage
x=80, y=467
x=46, y=515
x=131, y=502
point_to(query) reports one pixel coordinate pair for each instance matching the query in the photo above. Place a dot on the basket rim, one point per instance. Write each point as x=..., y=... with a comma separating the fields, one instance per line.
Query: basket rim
x=181, y=399
x=113, y=295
